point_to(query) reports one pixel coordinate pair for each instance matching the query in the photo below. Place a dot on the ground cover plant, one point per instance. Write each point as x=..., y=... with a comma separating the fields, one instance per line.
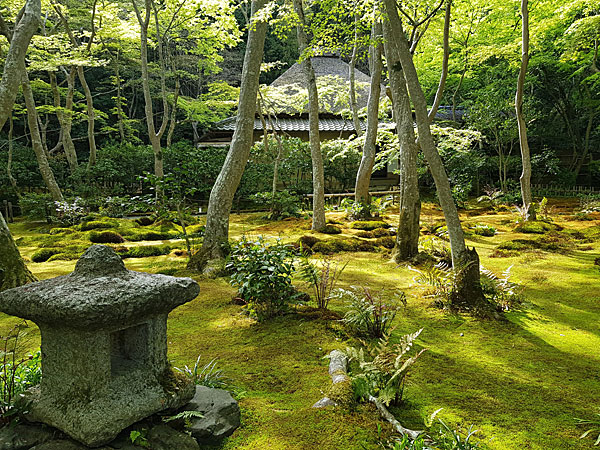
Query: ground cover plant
x=520, y=381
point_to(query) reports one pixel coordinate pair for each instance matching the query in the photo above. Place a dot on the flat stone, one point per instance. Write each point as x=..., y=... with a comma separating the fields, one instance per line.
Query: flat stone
x=60, y=444
x=163, y=437
x=221, y=414
x=24, y=436
x=99, y=293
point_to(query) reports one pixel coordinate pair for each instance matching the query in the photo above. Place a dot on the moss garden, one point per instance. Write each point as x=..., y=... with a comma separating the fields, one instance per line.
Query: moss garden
x=521, y=382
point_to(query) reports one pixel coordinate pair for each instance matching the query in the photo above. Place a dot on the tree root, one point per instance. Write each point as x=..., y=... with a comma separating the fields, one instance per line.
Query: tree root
x=411, y=434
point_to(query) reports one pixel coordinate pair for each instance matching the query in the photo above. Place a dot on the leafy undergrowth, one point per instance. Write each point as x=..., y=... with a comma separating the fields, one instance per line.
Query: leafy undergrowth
x=520, y=381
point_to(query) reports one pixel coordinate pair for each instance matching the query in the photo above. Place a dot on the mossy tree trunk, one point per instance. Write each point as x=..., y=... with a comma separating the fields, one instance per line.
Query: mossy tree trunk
x=365, y=169
x=318, y=173
x=13, y=271
x=407, y=237
x=223, y=191
x=468, y=294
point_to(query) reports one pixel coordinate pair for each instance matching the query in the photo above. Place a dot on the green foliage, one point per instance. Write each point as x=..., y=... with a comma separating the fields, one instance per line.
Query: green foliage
x=405, y=443
x=70, y=212
x=322, y=276
x=144, y=251
x=359, y=210
x=381, y=370
x=535, y=227
x=595, y=427
x=369, y=225
x=208, y=375
x=17, y=372
x=43, y=254
x=138, y=437
x=186, y=416
x=371, y=314
x=106, y=237
x=282, y=205
x=483, y=230
x=500, y=290
x=446, y=438
x=95, y=224
x=262, y=272
x=36, y=206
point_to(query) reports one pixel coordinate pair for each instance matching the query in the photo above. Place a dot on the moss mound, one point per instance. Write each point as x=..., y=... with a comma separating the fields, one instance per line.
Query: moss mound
x=68, y=256
x=146, y=251
x=331, y=246
x=106, y=237
x=308, y=241
x=369, y=225
x=144, y=221
x=62, y=231
x=98, y=224
x=386, y=242
x=536, y=227
x=150, y=235
x=330, y=229
x=44, y=254
x=365, y=234
x=382, y=232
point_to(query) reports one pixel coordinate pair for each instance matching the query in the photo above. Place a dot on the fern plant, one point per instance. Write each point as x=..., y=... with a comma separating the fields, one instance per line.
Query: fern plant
x=371, y=313
x=382, y=368
x=208, y=375
x=437, y=280
x=322, y=276
x=500, y=289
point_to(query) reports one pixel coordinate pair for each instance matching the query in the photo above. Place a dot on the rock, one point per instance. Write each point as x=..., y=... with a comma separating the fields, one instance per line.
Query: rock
x=163, y=437
x=24, y=436
x=60, y=445
x=221, y=414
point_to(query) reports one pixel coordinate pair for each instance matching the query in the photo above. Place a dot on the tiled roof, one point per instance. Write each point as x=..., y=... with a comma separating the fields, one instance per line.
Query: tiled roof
x=291, y=124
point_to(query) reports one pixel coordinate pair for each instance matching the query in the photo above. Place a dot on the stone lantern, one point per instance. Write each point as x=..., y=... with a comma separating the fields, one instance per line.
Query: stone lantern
x=104, y=345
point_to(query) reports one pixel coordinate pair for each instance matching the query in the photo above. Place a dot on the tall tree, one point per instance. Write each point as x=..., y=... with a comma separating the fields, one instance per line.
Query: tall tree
x=318, y=173
x=525, y=179
x=467, y=293
x=223, y=191
x=363, y=176
x=13, y=271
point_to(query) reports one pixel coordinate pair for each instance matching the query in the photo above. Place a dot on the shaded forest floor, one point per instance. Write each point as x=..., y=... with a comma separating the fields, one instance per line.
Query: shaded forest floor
x=521, y=381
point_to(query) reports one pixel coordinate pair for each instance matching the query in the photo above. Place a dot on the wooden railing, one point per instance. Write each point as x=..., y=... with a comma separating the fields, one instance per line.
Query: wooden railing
x=562, y=191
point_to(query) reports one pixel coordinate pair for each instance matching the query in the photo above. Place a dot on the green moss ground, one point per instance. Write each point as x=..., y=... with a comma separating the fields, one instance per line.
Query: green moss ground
x=520, y=381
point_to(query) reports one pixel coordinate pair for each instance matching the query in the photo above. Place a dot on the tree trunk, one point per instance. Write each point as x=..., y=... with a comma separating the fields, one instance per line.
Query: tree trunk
x=65, y=117
x=13, y=271
x=467, y=287
x=223, y=191
x=525, y=179
x=407, y=237
x=91, y=118
x=14, y=64
x=363, y=176
x=444, y=75
x=9, y=174
x=352, y=77
x=36, y=143
x=173, y=113
x=318, y=220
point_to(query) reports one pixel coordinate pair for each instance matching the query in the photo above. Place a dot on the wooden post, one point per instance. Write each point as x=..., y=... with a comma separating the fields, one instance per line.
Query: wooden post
x=10, y=212
x=6, y=210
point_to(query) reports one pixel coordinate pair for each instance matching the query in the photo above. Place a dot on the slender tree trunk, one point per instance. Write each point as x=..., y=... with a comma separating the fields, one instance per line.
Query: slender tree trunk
x=9, y=174
x=440, y=90
x=91, y=117
x=118, y=101
x=407, y=237
x=65, y=118
x=223, y=191
x=525, y=179
x=586, y=143
x=173, y=121
x=318, y=174
x=13, y=271
x=36, y=143
x=352, y=77
x=363, y=176
x=467, y=293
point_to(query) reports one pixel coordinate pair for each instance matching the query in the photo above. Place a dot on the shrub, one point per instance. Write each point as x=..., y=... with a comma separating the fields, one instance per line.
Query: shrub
x=322, y=276
x=382, y=368
x=330, y=229
x=106, y=237
x=70, y=212
x=371, y=314
x=381, y=232
x=18, y=372
x=43, y=254
x=387, y=242
x=262, y=273
x=536, y=227
x=282, y=205
x=97, y=224
x=369, y=225
x=144, y=251
x=483, y=230
x=36, y=206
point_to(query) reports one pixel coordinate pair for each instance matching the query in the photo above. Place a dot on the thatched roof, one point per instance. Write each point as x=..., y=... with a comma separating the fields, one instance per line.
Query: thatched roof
x=288, y=92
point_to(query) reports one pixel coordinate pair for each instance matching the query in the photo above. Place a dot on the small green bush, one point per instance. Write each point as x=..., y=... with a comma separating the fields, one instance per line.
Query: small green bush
x=386, y=242
x=43, y=254
x=106, y=237
x=69, y=256
x=483, y=230
x=282, y=205
x=536, y=227
x=330, y=229
x=97, y=224
x=144, y=251
x=150, y=235
x=382, y=232
x=369, y=225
